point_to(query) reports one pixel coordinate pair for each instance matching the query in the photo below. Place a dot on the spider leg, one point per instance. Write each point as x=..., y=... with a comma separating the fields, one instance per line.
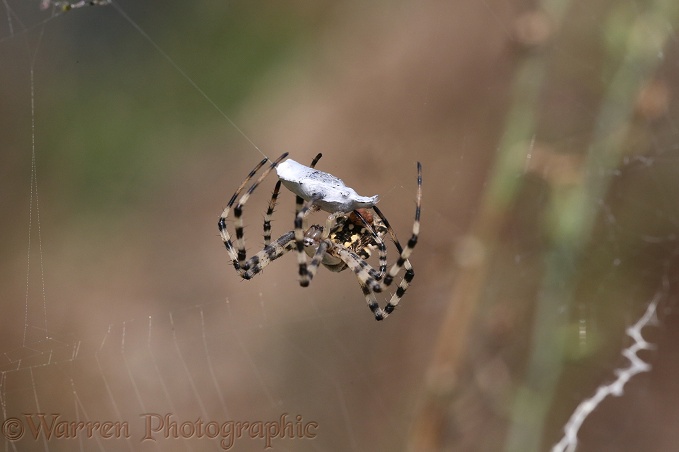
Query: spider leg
x=272, y=203
x=381, y=247
x=368, y=277
x=221, y=224
x=302, y=209
x=269, y=212
x=329, y=222
x=238, y=256
x=315, y=160
x=369, y=284
x=378, y=312
x=269, y=254
x=386, y=222
x=405, y=253
x=238, y=213
x=389, y=228
x=402, y=287
x=306, y=273
x=317, y=259
x=363, y=271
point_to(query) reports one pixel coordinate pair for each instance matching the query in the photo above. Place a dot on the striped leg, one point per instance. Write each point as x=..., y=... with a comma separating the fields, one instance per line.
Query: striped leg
x=374, y=307
x=365, y=275
x=363, y=271
x=368, y=277
x=389, y=228
x=402, y=287
x=317, y=259
x=269, y=212
x=272, y=204
x=221, y=223
x=238, y=213
x=269, y=254
x=405, y=254
x=303, y=209
x=238, y=255
x=381, y=247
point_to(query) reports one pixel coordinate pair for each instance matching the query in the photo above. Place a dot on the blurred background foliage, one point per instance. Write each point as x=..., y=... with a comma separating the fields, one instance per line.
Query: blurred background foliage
x=97, y=71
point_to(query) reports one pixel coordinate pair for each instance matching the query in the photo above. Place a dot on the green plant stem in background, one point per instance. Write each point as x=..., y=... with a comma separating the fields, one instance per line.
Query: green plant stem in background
x=573, y=209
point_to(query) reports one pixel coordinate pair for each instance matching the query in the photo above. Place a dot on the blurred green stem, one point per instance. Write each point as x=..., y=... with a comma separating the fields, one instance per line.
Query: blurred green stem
x=573, y=208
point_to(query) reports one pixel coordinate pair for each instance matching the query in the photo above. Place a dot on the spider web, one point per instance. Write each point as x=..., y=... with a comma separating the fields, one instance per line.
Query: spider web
x=129, y=125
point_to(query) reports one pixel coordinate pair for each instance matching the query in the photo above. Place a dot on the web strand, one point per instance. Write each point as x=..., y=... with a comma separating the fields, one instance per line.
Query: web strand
x=10, y=24
x=183, y=73
x=34, y=205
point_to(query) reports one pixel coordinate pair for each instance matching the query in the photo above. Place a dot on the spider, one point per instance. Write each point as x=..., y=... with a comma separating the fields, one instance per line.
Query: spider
x=352, y=231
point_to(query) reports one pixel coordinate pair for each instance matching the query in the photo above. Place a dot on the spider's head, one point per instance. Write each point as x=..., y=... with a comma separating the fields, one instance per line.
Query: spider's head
x=312, y=236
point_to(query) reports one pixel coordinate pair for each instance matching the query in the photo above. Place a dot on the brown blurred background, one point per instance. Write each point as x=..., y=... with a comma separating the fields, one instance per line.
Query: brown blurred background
x=547, y=134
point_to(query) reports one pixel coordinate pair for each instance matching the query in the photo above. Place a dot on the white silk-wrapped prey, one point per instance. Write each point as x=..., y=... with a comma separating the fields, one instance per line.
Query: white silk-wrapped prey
x=328, y=192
